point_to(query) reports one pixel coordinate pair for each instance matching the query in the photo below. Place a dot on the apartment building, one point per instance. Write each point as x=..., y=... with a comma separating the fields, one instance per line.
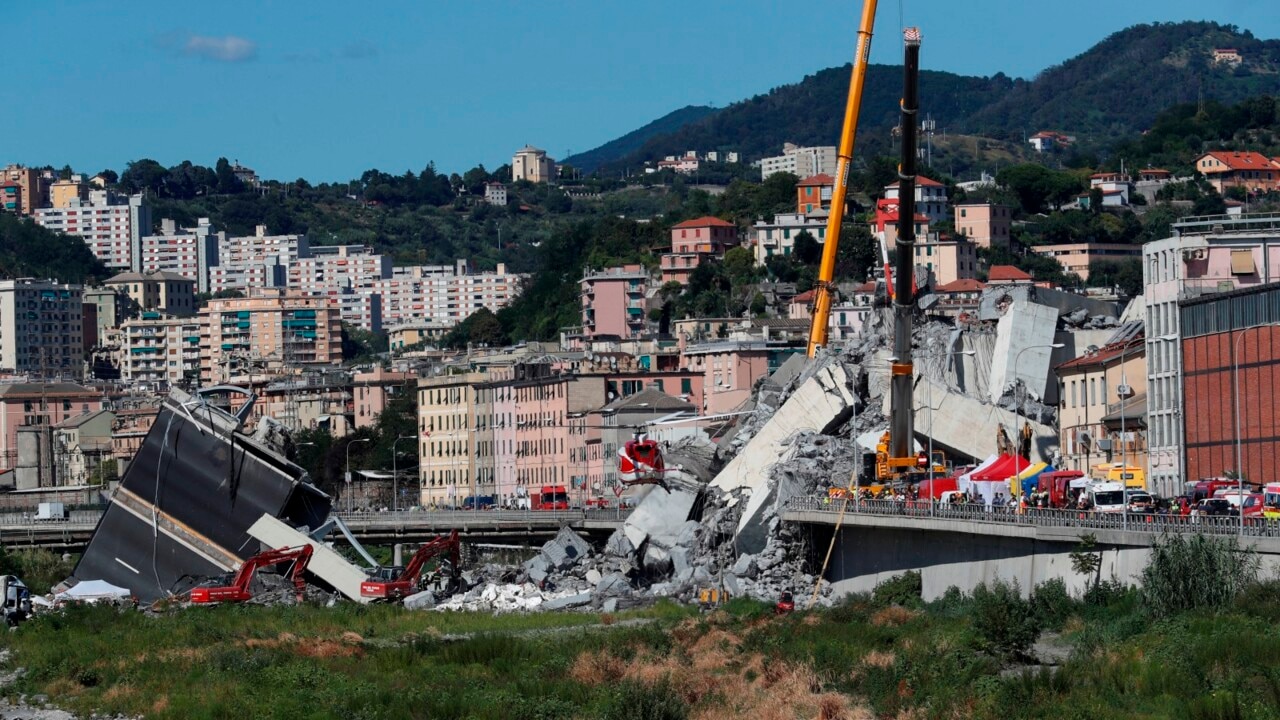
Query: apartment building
x=41, y=331
x=814, y=193
x=29, y=189
x=413, y=333
x=1205, y=257
x=160, y=350
x=112, y=226
x=613, y=302
x=779, y=236
x=106, y=309
x=495, y=193
x=947, y=259
x=802, y=162
x=931, y=198
x=258, y=260
x=271, y=330
x=1097, y=390
x=63, y=192
x=986, y=224
x=730, y=370
x=532, y=164
x=693, y=242
x=189, y=252
x=1078, y=257
x=157, y=291
x=39, y=405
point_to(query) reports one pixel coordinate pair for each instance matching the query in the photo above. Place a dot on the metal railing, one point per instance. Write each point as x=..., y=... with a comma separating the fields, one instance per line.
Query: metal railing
x=1044, y=517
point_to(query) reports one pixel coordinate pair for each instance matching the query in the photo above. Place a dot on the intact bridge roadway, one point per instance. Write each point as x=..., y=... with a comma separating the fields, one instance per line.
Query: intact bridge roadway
x=964, y=545
x=21, y=530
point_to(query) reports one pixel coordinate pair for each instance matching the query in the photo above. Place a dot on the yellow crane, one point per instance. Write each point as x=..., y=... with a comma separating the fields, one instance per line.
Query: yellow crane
x=827, y=271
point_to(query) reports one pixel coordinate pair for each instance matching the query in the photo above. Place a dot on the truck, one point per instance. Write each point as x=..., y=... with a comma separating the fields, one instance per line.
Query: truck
x=17, y=600
x=51, y=511
x=478, y=502
x=1271, y=501
x=1106, y=496
x=551, y=497
x=1132, y=476
x=1061, y=486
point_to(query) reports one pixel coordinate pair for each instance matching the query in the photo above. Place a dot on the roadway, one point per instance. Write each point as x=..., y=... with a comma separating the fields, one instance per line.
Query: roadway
x=375, y=528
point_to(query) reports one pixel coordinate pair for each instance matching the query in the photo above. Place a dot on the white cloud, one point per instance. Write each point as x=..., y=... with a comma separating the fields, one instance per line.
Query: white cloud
x=227, y=48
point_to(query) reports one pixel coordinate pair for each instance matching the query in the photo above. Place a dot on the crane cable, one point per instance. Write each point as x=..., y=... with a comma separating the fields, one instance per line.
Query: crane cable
x=835, y=533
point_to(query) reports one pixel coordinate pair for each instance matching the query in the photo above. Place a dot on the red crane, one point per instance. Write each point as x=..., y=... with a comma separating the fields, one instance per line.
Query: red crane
x=238, y=590
x=405, y=583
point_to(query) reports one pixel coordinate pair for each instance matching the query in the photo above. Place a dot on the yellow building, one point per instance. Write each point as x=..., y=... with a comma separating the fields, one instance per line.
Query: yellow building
x=158, y=291
x=62, y=192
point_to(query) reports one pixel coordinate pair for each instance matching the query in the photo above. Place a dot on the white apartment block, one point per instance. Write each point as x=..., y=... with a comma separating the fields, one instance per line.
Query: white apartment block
x=779, y=237
x=931, y=198
x=111, y=226
x=333, y=267
x=1205, y=256
x=189, y=252
x=160, y=350
x=495, y=193
x=802, y=162
x=443, y=294
x=40, y=327
x=258, y=260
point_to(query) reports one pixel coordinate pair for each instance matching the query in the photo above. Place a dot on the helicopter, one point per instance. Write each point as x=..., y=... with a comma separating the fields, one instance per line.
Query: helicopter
x=640, y=462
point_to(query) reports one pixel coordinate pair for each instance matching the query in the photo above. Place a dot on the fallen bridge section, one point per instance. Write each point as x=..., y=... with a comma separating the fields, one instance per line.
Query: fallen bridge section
x=969, y=427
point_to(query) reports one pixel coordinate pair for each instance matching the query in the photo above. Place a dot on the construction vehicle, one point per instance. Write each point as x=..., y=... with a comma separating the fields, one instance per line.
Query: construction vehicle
x=825, y=286
x=238, y=589
x=552, y=497
x=17, y=600
x=397, y=583
x=786, y=604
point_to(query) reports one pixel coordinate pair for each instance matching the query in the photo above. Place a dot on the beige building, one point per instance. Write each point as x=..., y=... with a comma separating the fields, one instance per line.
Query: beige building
x=270, y=331
x=446, y=454
x=33, y=189
x=986, y=224
x=160, y=350
x=1096, y=390
x=41, y=329
x=410, y=334
x=161, y=291
x=1076, y=257
x=947, y=259
x=63, y=192
x=533, y=165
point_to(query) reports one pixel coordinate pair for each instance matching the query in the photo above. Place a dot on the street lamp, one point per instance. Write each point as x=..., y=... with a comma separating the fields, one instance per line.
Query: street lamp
x=395, y=477
x=970, y=353
x=348, y=475
x=1235, y=379
x=1018, y=408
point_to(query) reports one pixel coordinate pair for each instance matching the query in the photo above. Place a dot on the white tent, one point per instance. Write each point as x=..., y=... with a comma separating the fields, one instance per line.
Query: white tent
x=984, y=489
x=92, y=591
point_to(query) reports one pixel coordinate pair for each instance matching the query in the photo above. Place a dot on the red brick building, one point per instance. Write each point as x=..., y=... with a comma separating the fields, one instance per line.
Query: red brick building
x=1230, y=351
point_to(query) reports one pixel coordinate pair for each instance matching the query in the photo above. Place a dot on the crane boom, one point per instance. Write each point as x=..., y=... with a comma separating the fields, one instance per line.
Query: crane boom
x=827, y=270
x=902, y=409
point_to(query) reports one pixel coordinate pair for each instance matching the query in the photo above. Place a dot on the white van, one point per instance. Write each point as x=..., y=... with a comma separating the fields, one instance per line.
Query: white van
x=1106, y=497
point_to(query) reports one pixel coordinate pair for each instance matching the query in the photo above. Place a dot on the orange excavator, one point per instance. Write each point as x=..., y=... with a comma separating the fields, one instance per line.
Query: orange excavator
x=396, y=584
x=238, y=590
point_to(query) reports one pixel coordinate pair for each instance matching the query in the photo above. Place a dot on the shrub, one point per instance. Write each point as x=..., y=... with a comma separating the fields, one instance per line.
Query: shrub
x=1196, y=572
x=1004, y=622
x=1053, y=603
x=904, y=590
x=634, y=701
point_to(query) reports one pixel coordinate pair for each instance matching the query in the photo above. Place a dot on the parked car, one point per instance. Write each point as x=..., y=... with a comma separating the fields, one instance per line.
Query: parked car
x=1216, y=507
x=1140, y=501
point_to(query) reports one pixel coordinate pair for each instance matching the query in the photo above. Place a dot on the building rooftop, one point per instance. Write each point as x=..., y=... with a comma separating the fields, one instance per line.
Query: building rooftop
x=1006, y=273
x=705, y=221
x=1241, y=160
x=819, y=179
x=53, y=389
x=920, y=180
x=79, y=420
x=649, y=399
x=1132, y=348
x=959, y=286
x=160, y=275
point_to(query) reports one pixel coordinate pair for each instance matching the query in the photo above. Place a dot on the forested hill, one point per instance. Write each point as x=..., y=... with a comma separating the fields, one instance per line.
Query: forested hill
x=1112, y=90
x=28, y=250
x=632, y=141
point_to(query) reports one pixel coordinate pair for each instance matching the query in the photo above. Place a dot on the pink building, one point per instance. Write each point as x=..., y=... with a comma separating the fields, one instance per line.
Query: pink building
x=986, y=224
x=693, y=242
x=730, y=370
x=613, y=302
x=34, y=404
x=371, y=390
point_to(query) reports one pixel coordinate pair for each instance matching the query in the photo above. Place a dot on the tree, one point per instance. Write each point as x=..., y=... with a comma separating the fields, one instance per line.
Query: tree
x=144, y=174
x=109, y=177
x=481, y=329
x=228, y=183
x=740, y=266
x=806, y=249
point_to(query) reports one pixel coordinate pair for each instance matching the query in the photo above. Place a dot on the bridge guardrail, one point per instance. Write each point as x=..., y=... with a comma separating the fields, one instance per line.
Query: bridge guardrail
x=1045, y=517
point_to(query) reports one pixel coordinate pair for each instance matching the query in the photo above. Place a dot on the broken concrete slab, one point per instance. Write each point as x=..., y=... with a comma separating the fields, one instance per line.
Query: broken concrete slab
x=659, y=515
x=420, y=601
x=618, y=545
x=745, y=566
x=325, y=564
x=823, y=402
x=967, y=426
x=568, y=601
x=565, y=549
x=1022, y=351
x=593, y=576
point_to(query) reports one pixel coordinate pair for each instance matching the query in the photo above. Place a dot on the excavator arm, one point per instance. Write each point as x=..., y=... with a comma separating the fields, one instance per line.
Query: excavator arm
x=238, y=590
x=407, y=581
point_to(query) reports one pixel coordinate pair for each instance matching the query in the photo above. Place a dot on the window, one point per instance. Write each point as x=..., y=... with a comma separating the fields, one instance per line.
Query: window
x=1242, y=262
x=1092, y=397
x=686, y=386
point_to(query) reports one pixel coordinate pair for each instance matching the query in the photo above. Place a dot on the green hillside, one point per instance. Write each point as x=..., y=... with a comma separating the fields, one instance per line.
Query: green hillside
x=1109, y=92
x=28, y=250
x=634, y=140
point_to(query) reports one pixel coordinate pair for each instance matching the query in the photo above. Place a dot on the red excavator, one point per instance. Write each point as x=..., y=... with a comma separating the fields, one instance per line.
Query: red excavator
x=395, y=584
x=238, y=590
x=640, y=462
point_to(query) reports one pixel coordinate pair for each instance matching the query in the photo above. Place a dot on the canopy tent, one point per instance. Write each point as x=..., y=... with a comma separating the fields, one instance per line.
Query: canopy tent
x=968, y=483
x=935, y=487
x=1029, y=479
x=92, y=591
x=1005, y=467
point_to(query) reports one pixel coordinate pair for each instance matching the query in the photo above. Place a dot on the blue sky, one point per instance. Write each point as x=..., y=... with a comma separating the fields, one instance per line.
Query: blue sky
x=325, y=90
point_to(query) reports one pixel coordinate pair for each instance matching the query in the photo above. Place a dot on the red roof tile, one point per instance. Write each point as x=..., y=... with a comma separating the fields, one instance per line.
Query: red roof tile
x=803, y=298
x=959, y=286
x=819, y=179
x=866, y=287
x=1006, y=273
x=707, y=221
x=1237, y=160
x=1132, y=348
